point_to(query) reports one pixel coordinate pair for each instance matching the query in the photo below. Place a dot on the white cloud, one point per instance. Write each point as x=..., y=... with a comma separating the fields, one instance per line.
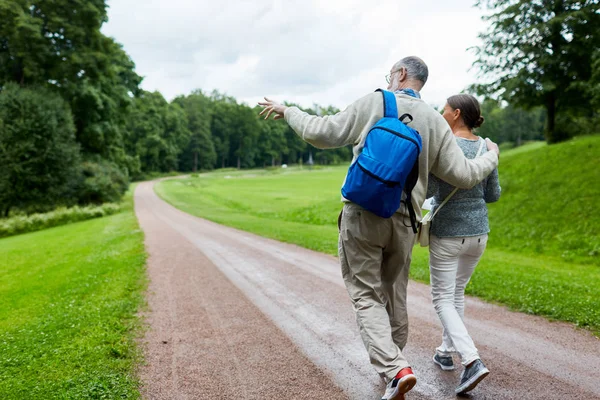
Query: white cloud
x=325, y=52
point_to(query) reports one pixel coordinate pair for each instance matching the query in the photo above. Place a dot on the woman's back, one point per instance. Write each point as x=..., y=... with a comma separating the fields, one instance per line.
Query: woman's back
x=465, y=214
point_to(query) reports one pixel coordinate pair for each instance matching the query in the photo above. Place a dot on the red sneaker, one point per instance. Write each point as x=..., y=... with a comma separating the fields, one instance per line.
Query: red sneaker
x=404, y=381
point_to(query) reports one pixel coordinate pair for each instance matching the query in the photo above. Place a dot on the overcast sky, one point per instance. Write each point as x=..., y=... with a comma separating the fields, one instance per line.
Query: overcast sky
x=328, y=52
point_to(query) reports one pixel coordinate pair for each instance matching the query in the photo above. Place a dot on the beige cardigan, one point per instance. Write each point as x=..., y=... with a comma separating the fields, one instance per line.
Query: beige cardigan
x=440, y=155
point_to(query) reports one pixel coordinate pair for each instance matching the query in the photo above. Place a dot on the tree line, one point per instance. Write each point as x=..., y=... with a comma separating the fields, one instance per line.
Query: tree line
x=76, y=127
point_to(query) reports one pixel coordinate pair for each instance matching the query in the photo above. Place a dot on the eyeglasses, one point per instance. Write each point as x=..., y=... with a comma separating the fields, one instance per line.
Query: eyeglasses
x=388, y=77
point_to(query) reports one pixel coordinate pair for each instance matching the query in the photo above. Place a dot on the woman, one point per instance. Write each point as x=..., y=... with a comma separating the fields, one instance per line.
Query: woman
x=459, y=233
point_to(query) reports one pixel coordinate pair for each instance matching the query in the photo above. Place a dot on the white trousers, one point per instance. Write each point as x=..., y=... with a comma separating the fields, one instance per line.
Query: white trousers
x=451, y=264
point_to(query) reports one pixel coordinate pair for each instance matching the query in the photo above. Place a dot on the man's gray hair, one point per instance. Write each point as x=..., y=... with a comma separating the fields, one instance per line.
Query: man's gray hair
x=415, y=68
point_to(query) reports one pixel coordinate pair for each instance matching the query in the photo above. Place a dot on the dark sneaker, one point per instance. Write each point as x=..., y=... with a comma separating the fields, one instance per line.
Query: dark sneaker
x=402, y=383
x=471, y=376
x=445, y=362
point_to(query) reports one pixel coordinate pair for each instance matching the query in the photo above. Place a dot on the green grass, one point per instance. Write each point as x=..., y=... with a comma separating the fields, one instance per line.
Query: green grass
x=549, y=203
x=524, y=268
x=68, y=302
x=292, y=205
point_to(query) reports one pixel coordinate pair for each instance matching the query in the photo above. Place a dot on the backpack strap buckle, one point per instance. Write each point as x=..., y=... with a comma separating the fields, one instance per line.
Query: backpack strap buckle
x=406, y=116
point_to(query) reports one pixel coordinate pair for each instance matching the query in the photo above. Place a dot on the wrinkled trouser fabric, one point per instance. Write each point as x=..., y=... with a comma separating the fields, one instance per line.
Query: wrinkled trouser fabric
x=375, y=255
x=451, y=264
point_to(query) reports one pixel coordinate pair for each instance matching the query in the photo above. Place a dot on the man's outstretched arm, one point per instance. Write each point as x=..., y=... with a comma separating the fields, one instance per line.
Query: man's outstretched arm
x=328, y=131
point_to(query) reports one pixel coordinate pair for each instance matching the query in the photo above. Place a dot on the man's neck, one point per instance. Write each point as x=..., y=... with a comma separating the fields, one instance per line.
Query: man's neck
x=409, y=85
x=410, y=92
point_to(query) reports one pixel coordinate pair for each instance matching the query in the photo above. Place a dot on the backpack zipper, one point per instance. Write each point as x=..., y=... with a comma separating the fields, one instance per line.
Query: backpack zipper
x=372, y=175
x=397, y=134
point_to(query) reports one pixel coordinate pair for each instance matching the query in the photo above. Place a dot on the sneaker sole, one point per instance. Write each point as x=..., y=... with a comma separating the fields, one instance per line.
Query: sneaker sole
x=442, y=366
x=406, y=384
x=473, y=382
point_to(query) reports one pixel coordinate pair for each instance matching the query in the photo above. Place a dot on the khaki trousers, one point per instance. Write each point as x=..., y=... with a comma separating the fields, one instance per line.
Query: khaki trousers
x=375, y=255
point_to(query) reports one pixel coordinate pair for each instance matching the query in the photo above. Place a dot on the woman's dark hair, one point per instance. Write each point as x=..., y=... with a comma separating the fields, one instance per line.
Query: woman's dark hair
x=470, y=111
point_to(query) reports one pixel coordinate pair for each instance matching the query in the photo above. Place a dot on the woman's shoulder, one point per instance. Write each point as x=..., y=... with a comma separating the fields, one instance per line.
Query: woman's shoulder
x=470, y=147
x=469, y=141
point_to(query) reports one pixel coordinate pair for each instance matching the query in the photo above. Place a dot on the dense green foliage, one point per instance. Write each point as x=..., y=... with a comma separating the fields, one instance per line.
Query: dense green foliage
x=157, y=131
x=59, y=45
x=199, y=153
x=71, y=97
x=38, y=152
x=68, y=310
x=541, y=53
x=545, y=230
x=53, y=49
x=509, y=125
x=102, y=181
x=60, y=216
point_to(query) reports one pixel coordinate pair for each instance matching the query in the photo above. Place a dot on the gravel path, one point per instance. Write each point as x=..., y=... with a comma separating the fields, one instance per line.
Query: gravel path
x=236, y=316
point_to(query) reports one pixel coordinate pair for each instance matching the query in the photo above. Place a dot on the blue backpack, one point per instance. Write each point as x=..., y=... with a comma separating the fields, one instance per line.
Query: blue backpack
x=387, y=165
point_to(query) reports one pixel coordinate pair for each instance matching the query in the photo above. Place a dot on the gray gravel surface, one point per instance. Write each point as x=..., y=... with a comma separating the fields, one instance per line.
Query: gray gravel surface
x=236, y=316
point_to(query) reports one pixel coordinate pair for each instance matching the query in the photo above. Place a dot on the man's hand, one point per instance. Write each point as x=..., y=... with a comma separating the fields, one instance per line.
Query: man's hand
x=491, y=146
x=271, y=106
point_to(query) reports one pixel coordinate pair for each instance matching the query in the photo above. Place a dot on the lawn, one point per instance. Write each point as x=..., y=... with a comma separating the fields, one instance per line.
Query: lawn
x=549, y=202
x=68, y=302
x=524, y=268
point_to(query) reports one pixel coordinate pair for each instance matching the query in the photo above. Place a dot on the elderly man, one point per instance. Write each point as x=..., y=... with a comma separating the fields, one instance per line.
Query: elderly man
x=375, y=252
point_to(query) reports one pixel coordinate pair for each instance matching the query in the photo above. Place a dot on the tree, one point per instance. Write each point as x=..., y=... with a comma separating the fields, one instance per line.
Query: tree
x=38, y=154
x=58, y=44
x=101, y=181
x=156, y=132
x=271, y=144
x=45, y=42
x=222, y=125
x=199, y=153
x=510, y=124
x=101, y=101
x=595, y=81
x=539, y=53
x=244, y=136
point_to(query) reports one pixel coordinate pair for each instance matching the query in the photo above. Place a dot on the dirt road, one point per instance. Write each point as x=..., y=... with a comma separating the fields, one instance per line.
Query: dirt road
x=236, y=316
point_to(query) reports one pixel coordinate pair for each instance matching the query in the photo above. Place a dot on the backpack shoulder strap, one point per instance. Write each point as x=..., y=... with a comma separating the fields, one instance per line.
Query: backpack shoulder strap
x=390, y=109
x=411, y=181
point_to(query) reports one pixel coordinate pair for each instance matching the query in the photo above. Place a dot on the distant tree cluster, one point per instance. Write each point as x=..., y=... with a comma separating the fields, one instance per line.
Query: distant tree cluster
x=506, y=124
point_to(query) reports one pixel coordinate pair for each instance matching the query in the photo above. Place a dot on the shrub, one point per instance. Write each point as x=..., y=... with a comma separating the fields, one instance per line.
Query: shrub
x=61, y=216
x=38, y=151
x=102, y=182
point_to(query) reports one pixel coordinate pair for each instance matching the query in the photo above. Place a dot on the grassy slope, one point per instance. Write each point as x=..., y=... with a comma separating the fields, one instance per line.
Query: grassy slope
x=302, y=207
x=549, y=201
x=68, y=299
